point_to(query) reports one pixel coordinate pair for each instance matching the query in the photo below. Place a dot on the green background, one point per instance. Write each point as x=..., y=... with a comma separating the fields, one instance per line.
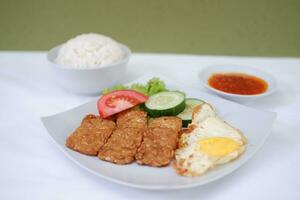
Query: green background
x=227, y=27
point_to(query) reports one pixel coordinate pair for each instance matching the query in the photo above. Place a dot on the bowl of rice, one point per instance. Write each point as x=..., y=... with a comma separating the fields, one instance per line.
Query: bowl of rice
x=89, y=63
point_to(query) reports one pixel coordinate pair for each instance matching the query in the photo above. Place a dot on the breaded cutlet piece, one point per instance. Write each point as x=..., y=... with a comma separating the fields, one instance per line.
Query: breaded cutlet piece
x=122, y=146
x=172, y=122
x=132, y=119
x=90, y=135
x=158, y=146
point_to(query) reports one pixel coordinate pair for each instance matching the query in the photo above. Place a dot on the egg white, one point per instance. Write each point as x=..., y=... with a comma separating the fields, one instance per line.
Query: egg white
x=190, y=161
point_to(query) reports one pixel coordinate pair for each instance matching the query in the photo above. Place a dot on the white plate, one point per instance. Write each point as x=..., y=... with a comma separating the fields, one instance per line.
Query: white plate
x=255, y=124
x=208, y=71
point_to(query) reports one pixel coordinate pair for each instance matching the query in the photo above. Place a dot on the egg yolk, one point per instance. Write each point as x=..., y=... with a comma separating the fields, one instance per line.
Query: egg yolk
x=218, y=146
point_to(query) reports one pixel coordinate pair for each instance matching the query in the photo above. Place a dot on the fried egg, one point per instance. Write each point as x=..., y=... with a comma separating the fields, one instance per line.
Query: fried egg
x=211, y=142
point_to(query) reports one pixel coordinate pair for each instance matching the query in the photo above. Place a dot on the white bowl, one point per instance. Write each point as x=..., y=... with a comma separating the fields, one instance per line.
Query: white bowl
x=88, y=81
x=208, y=71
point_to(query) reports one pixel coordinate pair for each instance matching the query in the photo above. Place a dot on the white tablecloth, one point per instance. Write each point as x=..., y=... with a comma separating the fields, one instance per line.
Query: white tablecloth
x=32, y=167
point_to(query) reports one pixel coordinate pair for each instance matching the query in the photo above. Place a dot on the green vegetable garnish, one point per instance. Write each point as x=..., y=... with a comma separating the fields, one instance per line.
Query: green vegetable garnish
x=116, y=87
x=139, y=88
x=153, y=86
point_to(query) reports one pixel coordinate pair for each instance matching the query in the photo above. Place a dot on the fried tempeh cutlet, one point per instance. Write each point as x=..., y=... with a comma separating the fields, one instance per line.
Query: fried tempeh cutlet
x=157, y=148
x=121, y=147
x=160, y=141
x=90, y=135
x=132, y=118
x=174, y=123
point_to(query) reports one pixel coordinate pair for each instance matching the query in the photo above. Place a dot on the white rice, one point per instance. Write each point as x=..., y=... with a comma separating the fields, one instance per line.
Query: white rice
x=89, y=51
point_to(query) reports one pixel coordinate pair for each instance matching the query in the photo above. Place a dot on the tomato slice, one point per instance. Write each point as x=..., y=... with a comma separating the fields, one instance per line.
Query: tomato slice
x=119, y=100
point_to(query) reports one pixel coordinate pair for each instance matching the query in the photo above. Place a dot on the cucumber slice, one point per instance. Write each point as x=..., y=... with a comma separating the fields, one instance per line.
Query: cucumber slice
x=165, y=104
x=187, y=114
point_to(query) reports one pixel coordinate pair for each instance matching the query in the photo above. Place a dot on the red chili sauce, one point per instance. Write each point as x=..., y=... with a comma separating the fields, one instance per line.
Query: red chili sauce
x=238, y=83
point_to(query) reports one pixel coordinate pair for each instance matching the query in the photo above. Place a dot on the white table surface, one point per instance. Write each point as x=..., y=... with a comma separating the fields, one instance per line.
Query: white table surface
x=32, y=167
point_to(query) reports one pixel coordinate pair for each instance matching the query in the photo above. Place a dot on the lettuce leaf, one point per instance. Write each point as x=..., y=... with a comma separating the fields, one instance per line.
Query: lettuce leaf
x=153, y=86
x=140, y=88
x=116, y=87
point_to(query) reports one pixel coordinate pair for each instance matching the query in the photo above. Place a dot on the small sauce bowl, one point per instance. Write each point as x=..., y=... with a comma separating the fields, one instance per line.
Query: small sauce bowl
x=207, y=72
